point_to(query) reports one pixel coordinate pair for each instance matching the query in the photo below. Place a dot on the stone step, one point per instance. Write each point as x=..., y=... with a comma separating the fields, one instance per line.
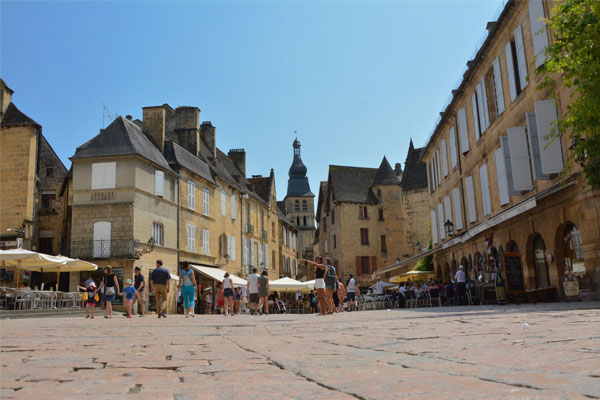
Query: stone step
x=63, y=312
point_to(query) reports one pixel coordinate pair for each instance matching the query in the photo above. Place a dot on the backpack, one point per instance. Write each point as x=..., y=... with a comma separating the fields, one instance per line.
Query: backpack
x=331, y=276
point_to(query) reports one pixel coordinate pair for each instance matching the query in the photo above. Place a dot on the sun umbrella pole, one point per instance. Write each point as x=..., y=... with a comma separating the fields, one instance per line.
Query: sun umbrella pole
x=18, y=273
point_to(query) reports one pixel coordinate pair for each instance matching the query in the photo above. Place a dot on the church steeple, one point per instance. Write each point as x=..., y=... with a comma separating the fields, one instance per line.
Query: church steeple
x=298, y=182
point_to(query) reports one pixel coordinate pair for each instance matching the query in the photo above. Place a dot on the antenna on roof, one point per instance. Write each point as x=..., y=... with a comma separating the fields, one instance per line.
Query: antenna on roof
x=107, y=114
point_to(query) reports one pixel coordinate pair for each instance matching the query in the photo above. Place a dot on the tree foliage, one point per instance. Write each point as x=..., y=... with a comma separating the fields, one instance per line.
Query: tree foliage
x=574, y=59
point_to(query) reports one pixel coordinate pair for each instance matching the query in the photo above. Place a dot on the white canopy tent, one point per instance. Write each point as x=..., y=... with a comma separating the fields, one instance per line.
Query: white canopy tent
x=288, y=284
x=218, y=274
x=310, y=284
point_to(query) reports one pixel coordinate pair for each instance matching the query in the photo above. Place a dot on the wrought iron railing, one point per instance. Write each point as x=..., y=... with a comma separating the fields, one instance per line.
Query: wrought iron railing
x=102, y=249
x=263, y=234
x=249, y=228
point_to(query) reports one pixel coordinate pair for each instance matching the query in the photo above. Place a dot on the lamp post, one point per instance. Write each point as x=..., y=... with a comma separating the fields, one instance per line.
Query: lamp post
x=449, y=228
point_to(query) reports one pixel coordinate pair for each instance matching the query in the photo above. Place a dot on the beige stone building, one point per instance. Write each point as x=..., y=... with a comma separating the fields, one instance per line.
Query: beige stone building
x=31, y=175
x=494, y=173
x=370, y=217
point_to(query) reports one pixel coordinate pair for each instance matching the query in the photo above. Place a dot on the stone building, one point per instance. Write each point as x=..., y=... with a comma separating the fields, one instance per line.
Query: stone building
x=496, y=179
x=370, y=217
x=300, y=204
x=31, y=175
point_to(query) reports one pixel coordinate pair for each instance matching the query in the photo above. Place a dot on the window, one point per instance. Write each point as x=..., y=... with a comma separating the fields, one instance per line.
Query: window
x=458, y=221
x=273, y=260
x=334, y=241
x=325, y=246
x=159, y=183
x=380, y=214
x=485, y=190
x=472, y=212
x=233, y=211
x=324, y=224
x=191, y=195
x=246, y=254
x=233, y=250
x=383, y=244
x=379, y=194
x=551, y=153
x=172, y=186
x=260, y=256
x=247, y=207
x=298, y=222
x=297, y=205
x=252, y=252
x=266, y=256
x=294, y=240
x=49, y=172
x=205, y=242
x=48, y=199
x=104, y=175
x=452, y=141
x=463, y=130
x=284, y=236
x=332, y=217
x=444, y=157
x=157, y=234
x=102, y=231
x=516, y=64
x=191, y=237
x=441, y=220
x=437, y=167
x=262, y=221
x=362, y=212
x=538, y=31
x=304, y=206
x=498, y=91
x=46, y=241
x=364, y=265
x=434, y=232
x=223, y=202
x=364, y=236
x=304, y=220
x=481, y=116
x=205, y=201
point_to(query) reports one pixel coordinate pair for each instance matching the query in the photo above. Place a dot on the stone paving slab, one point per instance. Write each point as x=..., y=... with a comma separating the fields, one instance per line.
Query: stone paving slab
x=425, y=353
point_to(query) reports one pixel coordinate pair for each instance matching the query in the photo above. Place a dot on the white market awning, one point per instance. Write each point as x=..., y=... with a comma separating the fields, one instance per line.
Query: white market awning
x=218, y=274
x=288, y=284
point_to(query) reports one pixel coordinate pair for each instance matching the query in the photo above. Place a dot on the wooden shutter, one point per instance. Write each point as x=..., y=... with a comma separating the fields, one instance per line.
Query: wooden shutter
x=358, y=266
x=233, y=248
x=437, y=167
x=444, y=157
x=434, y=232
x=432, y=173
x=458, y=221
x=534, y=147
x=373, y=264
x=266, y=256
x=485, y=105
x=448, y=209
x=206, y=241
x=232, y=200
x=475, y=116
x=521, y=60
x=519, y=158
x=98, y=176
x=472, y=211
x=509, y=171
x=159, y=181
x=501, y=177
x=191, y=237
x=538, y=31
x=440, y=215
x=428, y=179
x=510, y=67
x=452, y=140
x=498, y=91
x=551, y=153
x=191, y=195
x=485, y=190
x=463, y=131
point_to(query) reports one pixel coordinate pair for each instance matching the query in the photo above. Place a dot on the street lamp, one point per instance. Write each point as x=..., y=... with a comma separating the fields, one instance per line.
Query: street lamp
x=581, y=156
x=449, y=228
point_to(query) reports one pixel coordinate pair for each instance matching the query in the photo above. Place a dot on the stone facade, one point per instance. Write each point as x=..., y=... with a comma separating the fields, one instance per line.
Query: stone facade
x=493, y=175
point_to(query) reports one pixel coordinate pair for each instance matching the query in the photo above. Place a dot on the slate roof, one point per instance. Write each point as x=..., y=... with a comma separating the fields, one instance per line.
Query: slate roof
x=415, y=171
x=385, y=175
x=262, y=187
x=15, y=117
x=178, y=155
x=122, y=137
x=352, y=184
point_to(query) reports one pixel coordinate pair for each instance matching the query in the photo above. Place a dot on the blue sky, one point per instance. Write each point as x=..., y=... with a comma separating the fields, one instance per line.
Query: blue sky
x=356, y=80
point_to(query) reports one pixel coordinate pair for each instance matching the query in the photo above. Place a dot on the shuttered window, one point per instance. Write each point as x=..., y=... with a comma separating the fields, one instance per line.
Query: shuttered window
x=458, y=221
x=159, y=182
x=205, y=201
x=483, y=105
x=534, y=148
x=498, y=91
x=191, y=195
x=223, y=202
x=191, y=237
x=440, y=215
x=444, y=157
x=485, y=190
x=434, y=232
x=472, y=211
x=245, y=255
x=260, y=255
x=519, y=158
x=539, y=34
x=429, y=180
x=452, y=140
x=232, y=205
x=551, y=153
x=437, y=167
x=510, y=67
x=252, y=253
x=447, y=209
x=104, y=175
x=157, y=234
x=206, y=242
x=521, y=60
x=266, y=256
x=501, y=177
x=476, y=116
x=463, y=131
x=509, y=171
x=233, y=253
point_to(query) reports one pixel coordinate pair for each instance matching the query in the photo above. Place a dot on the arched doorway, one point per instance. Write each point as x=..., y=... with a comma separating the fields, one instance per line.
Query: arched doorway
x=542, y=275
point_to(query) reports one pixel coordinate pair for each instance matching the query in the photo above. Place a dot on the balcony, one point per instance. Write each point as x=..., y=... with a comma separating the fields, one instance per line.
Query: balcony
x=103, y=249
x=249, y=228
x=263, y=234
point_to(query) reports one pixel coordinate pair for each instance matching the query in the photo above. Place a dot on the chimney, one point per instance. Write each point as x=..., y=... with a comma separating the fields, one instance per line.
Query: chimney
x=208, y=136
x=5, y=97
x=129, y=117
x=238, y=156
x=153, y=121
x=398, y=169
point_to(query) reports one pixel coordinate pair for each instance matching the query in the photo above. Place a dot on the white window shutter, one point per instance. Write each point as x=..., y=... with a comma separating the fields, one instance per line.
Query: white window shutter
x=191, y=195
x=233, y=211
x=498, y=91
x=521, y=60
x=252, y=253
x=484, y=102
x=509, y=171
x=434, y=232
x=485, y=190
x=452, y=140
x=205, y=201
x=206, y=241
x=458, y=221
x=223, y=202
x=476, y=116
x=440, y=215
x=98, y=176
x=245, y=252
x=501, y=177
x=432, y=174
x=267, y=256
x=159, y=181
x=444, y=157
x=110, y=175
x=463, y=131
x=260, y=255
x=191, y=237
x=233, y=248
x=510, y=67
x=519, y=158
x=437, y=167
x=447, y=209
x=429, y=179
x=538, y=30
x=534, y=147
x=472, y=211
x=551, y=153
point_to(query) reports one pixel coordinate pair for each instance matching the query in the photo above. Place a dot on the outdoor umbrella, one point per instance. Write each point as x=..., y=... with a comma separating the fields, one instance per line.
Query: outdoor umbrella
x=30, y=260
x=70, y=265
x=288, y=284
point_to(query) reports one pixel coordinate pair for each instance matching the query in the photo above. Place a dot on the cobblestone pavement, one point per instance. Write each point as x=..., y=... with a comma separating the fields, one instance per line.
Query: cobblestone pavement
x=453, y=352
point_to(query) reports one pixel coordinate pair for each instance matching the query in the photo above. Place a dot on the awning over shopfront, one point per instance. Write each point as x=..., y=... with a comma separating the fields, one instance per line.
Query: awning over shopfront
x=218, y=274
x=408, y=261
x=413, y=275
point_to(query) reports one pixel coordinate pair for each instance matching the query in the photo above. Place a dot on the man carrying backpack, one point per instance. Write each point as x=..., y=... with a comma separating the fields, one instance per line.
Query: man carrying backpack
x=330, y=284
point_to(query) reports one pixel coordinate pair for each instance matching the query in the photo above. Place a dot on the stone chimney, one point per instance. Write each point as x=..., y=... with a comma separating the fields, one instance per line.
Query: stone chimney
x=184, y=125
x=153, y=121
x=5, y=97
x=208, y=136
x=398, y=169
x=238, y=156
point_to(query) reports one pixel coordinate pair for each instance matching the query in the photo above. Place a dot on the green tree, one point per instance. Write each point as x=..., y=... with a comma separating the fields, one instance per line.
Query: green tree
x=574, y=59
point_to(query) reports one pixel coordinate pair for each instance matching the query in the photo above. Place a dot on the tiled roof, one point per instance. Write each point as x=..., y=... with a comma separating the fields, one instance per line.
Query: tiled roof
x=352, y=184
x=385, y=175
x=415, y=171
x=178, y=155
x=122, y=137
x=13, y=116
x=262, y=187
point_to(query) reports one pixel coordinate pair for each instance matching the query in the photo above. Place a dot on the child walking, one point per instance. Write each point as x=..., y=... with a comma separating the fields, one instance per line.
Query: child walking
x=130, y=294
x=91, y=298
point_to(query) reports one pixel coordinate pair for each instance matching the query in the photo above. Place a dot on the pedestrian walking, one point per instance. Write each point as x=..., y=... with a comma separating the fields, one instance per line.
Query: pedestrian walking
x=351, y=293
x=341, y=292
x=330, y=284
x=110, y=284
x=312, y=299
x=228, y=294
x=320, y=270
x=140, y=285
x=244, y=301
x=461, y=285
x=237, y=298
x=220, y=298
x=90, y=298
x=187, y=285
x=253, y=291
x=129, y=294
x=160, y=282
x=209, y=303
x=263, y=291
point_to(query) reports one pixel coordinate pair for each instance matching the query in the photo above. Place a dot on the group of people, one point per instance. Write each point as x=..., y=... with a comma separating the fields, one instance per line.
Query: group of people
x=457, y=289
